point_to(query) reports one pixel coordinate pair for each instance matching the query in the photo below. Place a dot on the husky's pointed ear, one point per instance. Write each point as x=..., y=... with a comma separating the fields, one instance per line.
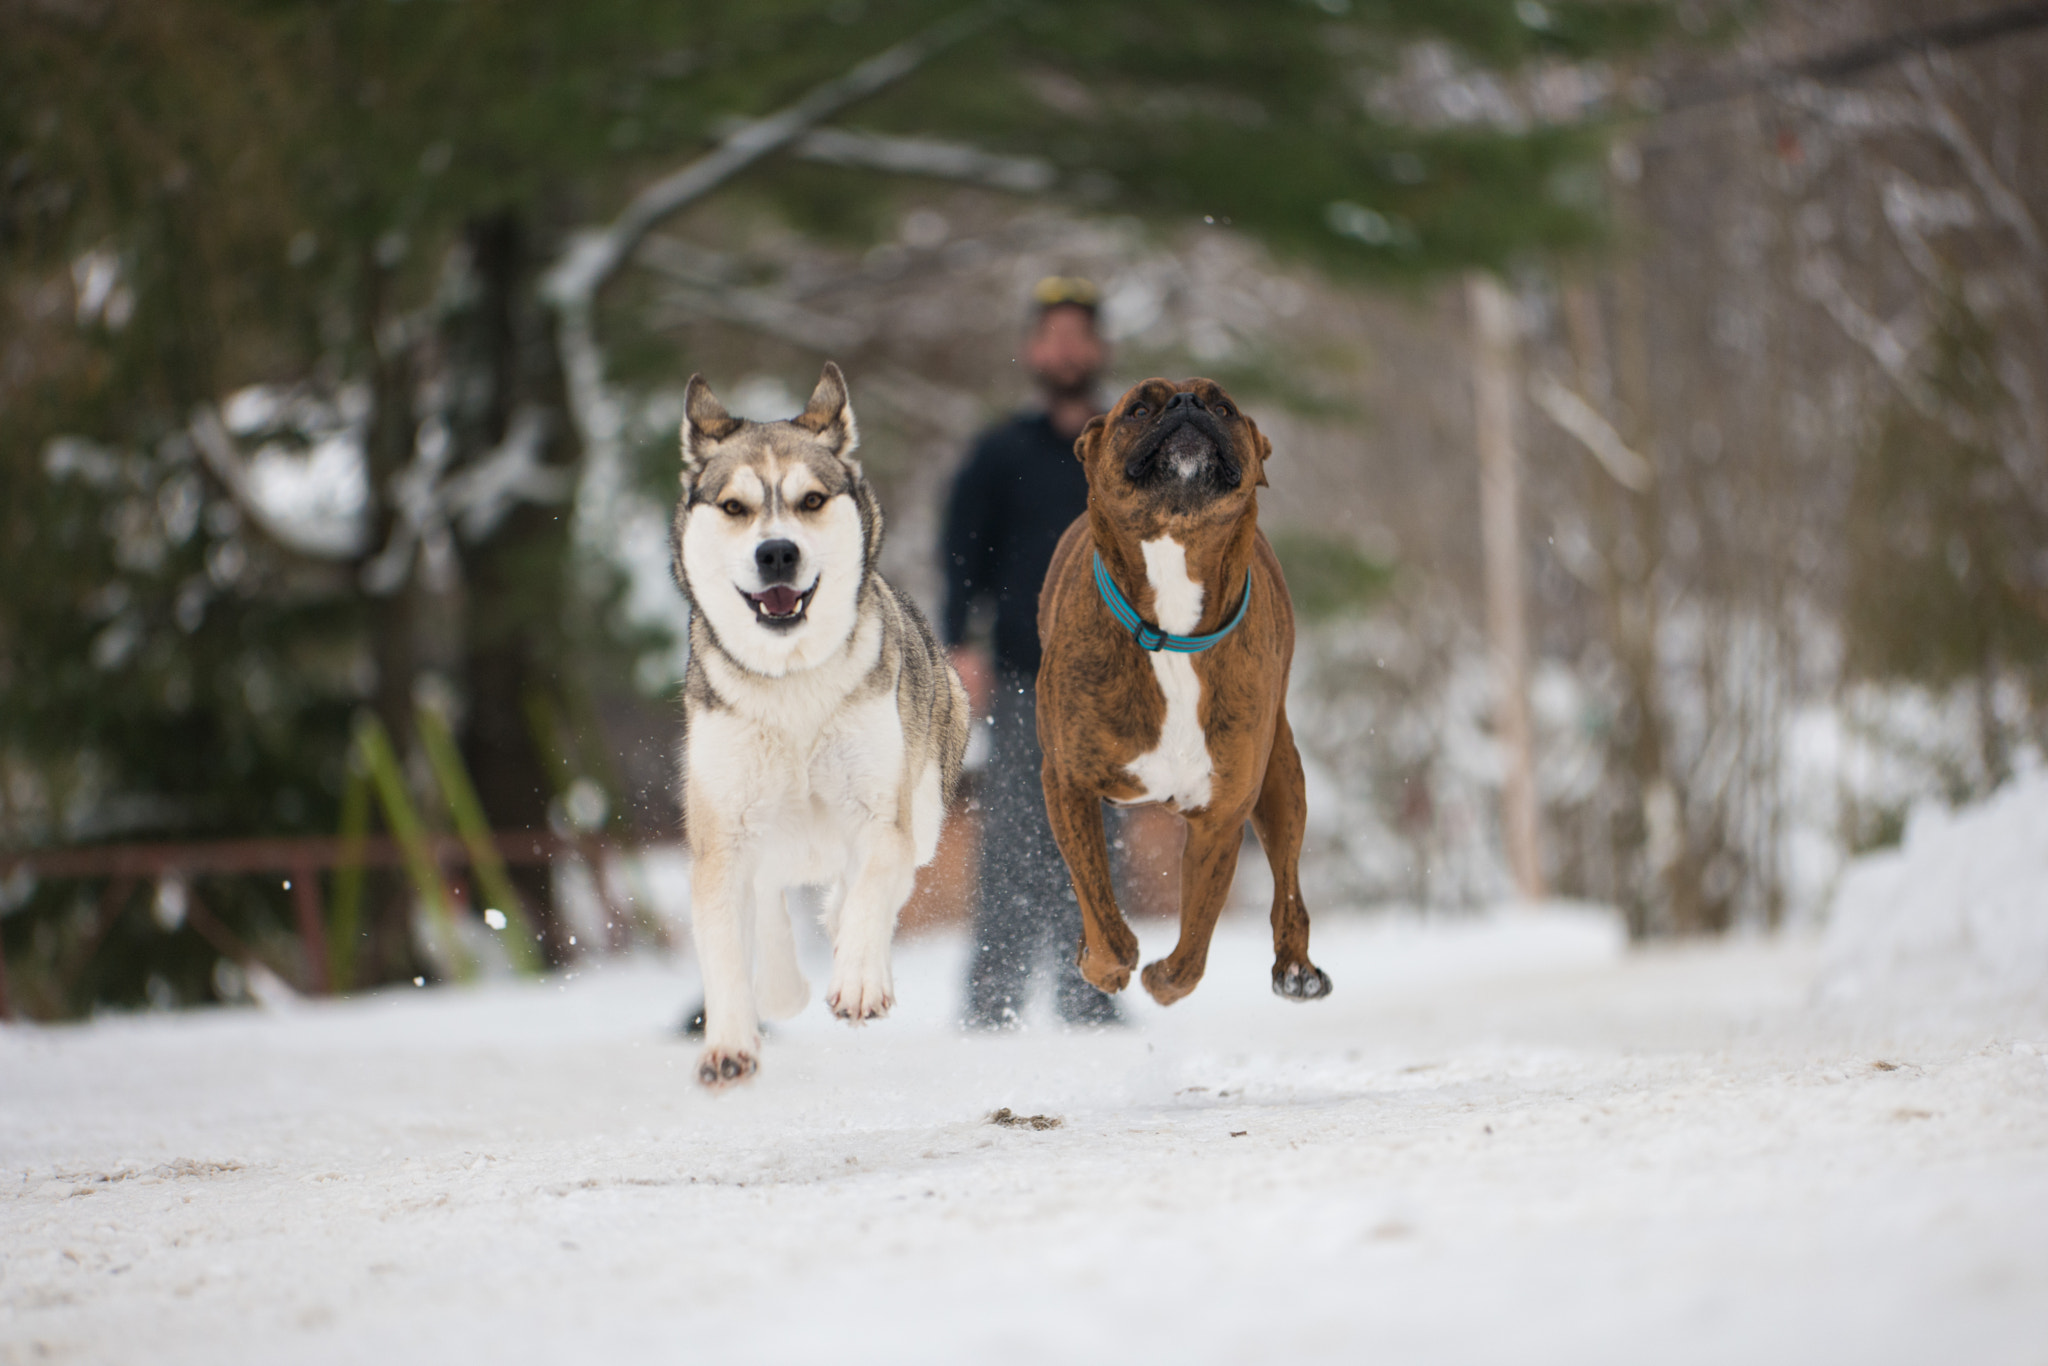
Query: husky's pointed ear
x=705, y=424
x=830, y=415
x=1084, y=444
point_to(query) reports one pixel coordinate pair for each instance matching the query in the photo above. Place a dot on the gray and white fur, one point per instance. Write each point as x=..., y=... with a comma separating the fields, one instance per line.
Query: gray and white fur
x=822, y=726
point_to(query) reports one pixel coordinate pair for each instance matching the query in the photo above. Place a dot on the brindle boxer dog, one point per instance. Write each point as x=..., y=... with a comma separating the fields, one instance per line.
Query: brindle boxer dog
x=1167, y=637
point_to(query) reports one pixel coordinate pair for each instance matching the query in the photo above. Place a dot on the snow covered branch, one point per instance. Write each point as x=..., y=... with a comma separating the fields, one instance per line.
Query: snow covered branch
x=1891, y=345
x=927, y=157
x=1942, y=121
x=482, y=493
x=1594, y=432
x=595, y=257
x=324, y=539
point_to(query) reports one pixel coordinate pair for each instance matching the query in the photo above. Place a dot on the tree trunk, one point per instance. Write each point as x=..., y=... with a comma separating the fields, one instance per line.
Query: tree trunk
x=1493, y=385
x=390, y=952
x=502, y=364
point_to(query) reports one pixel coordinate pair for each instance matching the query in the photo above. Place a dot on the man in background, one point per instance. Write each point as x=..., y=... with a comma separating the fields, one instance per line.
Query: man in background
x=1019, y=490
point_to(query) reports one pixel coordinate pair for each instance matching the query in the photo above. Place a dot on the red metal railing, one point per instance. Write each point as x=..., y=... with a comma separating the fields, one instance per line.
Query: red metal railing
x=300, y=859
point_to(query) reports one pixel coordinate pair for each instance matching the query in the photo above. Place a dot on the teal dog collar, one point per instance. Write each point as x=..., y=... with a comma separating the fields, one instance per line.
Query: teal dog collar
x=1150, y=637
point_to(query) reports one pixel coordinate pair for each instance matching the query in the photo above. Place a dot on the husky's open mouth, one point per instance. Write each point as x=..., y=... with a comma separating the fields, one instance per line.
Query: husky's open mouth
x=780, y=605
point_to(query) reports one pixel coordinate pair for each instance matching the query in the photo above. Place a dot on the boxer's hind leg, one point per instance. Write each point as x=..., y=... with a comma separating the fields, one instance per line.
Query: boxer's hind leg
x=1108, y=948
x=1207, y=865
x=1278, y=818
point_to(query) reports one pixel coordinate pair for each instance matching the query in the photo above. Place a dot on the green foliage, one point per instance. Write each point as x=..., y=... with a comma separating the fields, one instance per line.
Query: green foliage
x=1266, y=378
x=1257, y=116
x=1328, y=576
x=1944, y=583
x=278, y=190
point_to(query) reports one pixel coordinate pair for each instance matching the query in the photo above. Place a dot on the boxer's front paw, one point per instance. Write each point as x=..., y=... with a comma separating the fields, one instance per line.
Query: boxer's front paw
x=1105, y=973
x=719, y=1067
x=1300, y=981
x=1167, y=984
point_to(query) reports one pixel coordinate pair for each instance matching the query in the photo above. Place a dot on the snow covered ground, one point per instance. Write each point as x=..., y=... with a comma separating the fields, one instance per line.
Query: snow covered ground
x=1502, y=1139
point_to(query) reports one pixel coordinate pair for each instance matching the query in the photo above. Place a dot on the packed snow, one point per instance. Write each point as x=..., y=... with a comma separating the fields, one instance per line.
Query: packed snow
x=1957, y=912
x=1505, y=1137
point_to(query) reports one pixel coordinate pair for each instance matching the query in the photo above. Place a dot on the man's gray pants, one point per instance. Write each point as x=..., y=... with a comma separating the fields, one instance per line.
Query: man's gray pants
x=1027, y=917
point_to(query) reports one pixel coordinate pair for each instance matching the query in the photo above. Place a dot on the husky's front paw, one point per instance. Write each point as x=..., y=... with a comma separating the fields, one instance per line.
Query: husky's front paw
x=861, y=997
x=719, y=1067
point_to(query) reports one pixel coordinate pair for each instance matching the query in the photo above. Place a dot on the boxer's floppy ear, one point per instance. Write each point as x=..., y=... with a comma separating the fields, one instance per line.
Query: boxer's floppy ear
x=1084, y=444
x=705, y=424
x=1265, y=451
x=830, y=415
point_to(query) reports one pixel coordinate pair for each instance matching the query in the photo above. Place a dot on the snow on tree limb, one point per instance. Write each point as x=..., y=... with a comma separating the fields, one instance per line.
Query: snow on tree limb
x=592, y=258
x=1594, y=432
x=927, y=157
x=217, y=448
x=1942, y=120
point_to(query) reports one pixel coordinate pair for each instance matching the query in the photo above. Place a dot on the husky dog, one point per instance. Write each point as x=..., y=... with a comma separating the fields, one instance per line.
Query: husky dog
x=822, y=726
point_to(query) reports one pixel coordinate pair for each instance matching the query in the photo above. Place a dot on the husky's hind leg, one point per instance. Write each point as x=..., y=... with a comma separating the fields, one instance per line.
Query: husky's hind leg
x=863, y=987
x=779, y=984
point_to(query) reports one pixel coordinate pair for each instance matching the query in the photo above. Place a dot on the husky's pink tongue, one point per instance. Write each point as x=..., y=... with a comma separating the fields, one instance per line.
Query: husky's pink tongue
x=779, y=601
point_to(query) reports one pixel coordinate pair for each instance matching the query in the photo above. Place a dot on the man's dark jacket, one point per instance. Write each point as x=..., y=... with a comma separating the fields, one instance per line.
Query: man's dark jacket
x=1018, y=491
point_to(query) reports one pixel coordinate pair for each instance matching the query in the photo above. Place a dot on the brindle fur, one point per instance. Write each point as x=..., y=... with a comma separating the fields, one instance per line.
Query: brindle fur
x=1100, y=706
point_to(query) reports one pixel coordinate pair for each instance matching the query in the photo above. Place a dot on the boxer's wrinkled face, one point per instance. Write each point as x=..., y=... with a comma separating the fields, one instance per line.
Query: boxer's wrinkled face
x=1182, y=450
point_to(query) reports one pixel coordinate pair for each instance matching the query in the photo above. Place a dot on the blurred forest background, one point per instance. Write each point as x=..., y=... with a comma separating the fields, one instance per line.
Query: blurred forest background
x=341, y=348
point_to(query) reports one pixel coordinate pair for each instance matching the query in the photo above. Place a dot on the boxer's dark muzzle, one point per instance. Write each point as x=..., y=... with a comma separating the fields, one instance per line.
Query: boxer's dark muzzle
x=1186, y=446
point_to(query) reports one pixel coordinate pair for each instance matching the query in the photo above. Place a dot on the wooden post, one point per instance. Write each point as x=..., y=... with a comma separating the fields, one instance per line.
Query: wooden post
x=312, y=927
x=1493, y=394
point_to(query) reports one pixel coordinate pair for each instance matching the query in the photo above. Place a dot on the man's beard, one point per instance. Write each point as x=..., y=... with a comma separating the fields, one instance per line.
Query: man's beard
x=1067, y=388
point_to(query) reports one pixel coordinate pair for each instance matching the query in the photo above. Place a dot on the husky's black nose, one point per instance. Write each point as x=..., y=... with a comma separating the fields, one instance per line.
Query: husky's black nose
x=777, y=561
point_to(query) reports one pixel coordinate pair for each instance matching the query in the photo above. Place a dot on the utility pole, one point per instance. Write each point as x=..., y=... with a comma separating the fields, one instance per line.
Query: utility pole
x=1494, y=367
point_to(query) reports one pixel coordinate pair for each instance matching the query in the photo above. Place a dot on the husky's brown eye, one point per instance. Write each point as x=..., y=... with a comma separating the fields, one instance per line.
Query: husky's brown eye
x=812, y=501
x=733, y=507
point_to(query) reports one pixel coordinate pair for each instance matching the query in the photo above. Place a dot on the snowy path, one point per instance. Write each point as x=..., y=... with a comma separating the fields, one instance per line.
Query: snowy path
x=1501, y=1141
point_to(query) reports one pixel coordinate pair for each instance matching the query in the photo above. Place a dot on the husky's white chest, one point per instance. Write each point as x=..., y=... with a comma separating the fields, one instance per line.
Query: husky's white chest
x=1178, y=767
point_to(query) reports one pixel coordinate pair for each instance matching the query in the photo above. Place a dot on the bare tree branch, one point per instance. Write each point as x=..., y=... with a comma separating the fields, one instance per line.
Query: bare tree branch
x=1820, y=279
x=1846, y=62
x=1594, y=432
x=1945, y=125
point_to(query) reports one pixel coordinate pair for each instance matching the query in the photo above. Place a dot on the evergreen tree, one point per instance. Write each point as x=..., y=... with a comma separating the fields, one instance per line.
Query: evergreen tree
x=1944, y=544
x=353, y=201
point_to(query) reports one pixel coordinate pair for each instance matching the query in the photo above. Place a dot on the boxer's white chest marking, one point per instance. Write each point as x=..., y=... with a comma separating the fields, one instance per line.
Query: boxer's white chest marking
x=1178, y=768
